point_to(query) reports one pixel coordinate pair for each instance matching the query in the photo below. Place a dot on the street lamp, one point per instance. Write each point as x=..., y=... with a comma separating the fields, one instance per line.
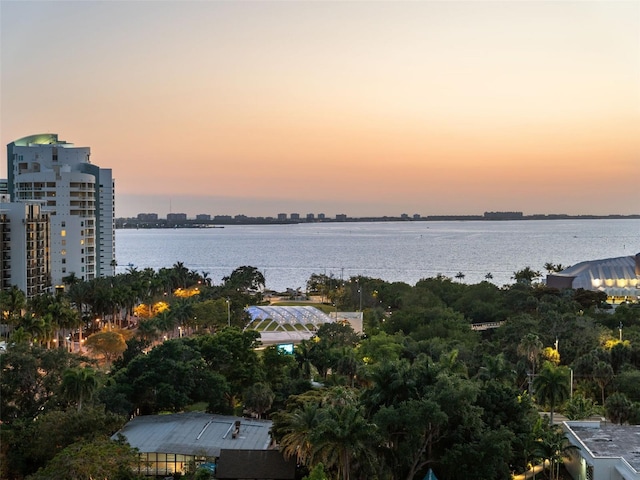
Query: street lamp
x=228, y=312
x=620, y=328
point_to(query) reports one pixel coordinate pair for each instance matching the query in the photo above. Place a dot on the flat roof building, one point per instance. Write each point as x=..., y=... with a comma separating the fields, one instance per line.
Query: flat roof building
x=604, y=451
x=168, y=443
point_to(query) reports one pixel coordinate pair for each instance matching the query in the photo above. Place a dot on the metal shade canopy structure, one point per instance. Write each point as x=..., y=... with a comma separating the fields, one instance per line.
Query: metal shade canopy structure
x=286, y=324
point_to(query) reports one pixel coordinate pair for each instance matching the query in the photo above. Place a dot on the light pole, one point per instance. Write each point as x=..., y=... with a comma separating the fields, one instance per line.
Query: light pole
x=228, y=312
x=620, y=328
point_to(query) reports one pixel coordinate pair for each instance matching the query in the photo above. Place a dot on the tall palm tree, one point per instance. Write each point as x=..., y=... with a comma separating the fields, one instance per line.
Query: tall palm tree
x=78, y=295
x=552, y=386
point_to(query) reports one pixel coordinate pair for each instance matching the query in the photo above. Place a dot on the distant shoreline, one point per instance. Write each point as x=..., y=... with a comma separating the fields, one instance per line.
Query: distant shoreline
x=134, y=223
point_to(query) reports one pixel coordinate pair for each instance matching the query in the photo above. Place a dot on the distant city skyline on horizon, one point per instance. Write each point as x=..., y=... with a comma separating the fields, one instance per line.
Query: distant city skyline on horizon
x=360, y=108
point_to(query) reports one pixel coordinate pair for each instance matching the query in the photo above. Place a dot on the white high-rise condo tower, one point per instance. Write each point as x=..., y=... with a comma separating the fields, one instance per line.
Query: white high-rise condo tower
x=79, y=197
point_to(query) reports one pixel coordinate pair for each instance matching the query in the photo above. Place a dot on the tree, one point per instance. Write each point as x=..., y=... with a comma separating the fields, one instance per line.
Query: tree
x=409, y=431
x=244, y=279
x=317, y=473
x=79, y=384
x=554, y=446
x=344, y=439
x=109, y=344
x=602, y=375
x=618, y=408
x=12, y=303
x=337, y=335
x=496, y=368
x=554, y=268
x=526, y=276
x=293, y=430
x=232, y=354
x=319, y=284
x=580, y=407
x=258, y=398
x=552, y=386
x=30, y=379
x=35, y=443
x=170, y=377
x=530, y=347
x=99, y=458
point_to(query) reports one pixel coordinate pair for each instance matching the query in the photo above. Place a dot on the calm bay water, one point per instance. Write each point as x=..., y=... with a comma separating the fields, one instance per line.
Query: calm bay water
x=394, y=251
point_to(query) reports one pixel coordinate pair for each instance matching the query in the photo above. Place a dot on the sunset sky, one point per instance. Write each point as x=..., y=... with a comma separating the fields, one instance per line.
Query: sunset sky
x=361, y=107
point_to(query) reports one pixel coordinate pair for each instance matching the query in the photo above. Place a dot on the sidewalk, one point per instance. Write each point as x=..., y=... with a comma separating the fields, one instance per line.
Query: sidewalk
x=530, y=473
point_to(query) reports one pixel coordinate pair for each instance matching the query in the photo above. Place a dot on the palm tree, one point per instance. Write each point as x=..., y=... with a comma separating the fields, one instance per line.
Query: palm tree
x=526, y=276
x=148, y=330
x=78, y=384
x=460, y=276
x=78, y=295
x=32, y=326
x=259, y=398
x=530, y=347
x=12, y=304
x=296, y=428
x=554, y=447
x=552, y=386
x=343, y=438
x=182, y=311
x=165, y=321
x=496, y=368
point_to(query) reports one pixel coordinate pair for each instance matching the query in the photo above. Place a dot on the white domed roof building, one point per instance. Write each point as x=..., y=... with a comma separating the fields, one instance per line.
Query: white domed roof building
x=618, y=277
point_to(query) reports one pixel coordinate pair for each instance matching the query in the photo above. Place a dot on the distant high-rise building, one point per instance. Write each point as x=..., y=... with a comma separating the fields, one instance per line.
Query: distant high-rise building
x=25, y=237
x=310, y=217
x=282, y=216
x=295, y=216
x=203, y=217
x=79, y=197
x=147, y=217
x=176, y=217
x=321, y=216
